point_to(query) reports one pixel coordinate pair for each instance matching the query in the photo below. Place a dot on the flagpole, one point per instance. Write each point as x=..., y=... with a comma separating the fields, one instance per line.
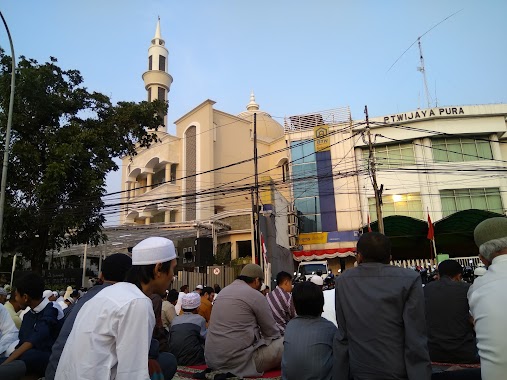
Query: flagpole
x=432, y=231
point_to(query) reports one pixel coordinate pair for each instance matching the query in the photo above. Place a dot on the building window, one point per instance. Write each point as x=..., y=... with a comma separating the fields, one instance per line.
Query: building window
x=172, y=216
x=158, y=178
x=391, y=156
x=150, y=62
x=305, y=185
x=161, y=63
x=161, y=94
x=464, y=199
x=398, y=204
x=173, y=173
x=149, y=94
x=461, y=149
x=158, y=218
x=285, y=171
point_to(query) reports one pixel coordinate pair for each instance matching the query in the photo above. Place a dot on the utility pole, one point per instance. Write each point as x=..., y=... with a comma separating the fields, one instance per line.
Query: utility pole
x=373, y=175
x=5, y=165
x=256, y=202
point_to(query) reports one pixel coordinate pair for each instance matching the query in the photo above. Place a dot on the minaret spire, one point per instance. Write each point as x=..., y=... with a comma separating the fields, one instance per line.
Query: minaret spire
x=157, y=79
x=157, y=31
x=252, y=106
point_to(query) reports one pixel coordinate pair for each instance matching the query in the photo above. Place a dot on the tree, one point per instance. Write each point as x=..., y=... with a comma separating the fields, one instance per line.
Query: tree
x=63, y=142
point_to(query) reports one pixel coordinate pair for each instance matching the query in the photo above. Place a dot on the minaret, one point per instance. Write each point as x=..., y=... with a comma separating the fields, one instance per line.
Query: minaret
x=157, y=80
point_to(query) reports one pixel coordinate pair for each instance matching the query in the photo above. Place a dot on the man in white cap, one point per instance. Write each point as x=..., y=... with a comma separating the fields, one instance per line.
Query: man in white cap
x=112, y=333
x=242, y=336
x=488, y=299
x=50, y=296
x=188, y=332
x=198, y=289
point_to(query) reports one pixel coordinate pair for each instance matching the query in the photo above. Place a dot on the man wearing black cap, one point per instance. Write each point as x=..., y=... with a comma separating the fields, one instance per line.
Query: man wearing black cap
x=488, y=299
x=451, y=336
x=242, y=336
x=114, y=269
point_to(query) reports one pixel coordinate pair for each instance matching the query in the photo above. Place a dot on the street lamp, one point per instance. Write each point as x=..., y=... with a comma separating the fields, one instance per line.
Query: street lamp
x=3, y=184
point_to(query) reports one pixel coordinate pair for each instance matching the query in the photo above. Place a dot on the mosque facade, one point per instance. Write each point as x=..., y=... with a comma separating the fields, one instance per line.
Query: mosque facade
x=314, y=170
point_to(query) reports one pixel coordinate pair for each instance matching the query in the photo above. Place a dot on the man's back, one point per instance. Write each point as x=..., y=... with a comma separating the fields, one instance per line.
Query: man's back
x=308, y=349
x=111, y=336
x=488, y=303
x=65, y=331
x=450, y=332
x=239, y=316
x=382, y=329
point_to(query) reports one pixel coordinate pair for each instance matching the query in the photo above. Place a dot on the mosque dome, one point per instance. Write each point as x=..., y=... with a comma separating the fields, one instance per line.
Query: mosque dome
x=267, y=128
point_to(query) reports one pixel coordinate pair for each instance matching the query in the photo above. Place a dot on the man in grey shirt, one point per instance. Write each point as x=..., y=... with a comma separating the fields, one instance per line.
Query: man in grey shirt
x=380, y=315
x=242, y=335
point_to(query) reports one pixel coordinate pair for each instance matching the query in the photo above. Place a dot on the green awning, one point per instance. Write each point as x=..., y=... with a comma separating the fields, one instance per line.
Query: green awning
x=453, y=234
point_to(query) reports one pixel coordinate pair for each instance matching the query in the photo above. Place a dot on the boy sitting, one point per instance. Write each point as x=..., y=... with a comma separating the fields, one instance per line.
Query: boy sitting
x=40, y=326
x=308, y=342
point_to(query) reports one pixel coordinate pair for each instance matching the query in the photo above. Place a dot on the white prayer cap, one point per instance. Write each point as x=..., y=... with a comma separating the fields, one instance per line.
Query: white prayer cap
x=317, y=280
x=153, y=250
x=199, y=287
x=480, y=271
x=47, y=293
x=190, y=301
x=55, y=294
x=3, y=292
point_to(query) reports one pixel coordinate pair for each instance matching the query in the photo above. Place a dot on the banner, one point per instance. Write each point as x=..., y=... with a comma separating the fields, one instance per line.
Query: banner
x=321, y=138
x=313, y=238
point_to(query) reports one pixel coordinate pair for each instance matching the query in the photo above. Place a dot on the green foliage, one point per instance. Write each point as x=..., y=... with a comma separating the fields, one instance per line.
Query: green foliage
x=63, y=142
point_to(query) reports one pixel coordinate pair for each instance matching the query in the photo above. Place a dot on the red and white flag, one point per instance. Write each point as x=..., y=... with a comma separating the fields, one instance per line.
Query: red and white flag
x=431, y=230
x=369, y=225
x=264, y=249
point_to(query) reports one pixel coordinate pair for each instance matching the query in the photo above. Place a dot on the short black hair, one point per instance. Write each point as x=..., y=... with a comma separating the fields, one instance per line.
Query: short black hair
x=308, y=299
x=143, y=274
x=283, y=276
x=374, y=247
x=172, y=295
x=115, y=267
x=208, y=289
x=189, y=310
x=31, y=284
x=449, y=268
x=182, y=289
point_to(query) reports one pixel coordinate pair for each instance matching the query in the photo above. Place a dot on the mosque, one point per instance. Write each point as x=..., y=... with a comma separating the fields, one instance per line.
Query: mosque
x=443, y=163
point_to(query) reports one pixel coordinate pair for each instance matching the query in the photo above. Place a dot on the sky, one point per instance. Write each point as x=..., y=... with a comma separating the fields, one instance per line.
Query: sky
x=297, y=56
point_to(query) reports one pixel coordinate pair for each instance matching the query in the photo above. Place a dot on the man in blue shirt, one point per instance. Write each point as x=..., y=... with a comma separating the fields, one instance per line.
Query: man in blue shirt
x=308, y=342
x=39, y=328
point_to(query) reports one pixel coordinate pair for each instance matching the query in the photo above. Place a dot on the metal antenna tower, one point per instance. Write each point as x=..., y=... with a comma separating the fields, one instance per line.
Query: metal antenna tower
x=422, y=70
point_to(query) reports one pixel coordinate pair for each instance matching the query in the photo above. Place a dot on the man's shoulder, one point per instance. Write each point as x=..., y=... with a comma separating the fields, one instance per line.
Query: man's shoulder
x=382, y=269
x=119, y=295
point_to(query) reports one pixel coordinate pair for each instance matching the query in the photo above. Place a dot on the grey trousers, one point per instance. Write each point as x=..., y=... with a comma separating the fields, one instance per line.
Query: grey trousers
x=269, y=357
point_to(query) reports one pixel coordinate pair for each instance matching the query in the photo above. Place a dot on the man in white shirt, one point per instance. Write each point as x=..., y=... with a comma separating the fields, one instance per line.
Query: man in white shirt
x=8, y=333
x=488, y=299
x=112, y=333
